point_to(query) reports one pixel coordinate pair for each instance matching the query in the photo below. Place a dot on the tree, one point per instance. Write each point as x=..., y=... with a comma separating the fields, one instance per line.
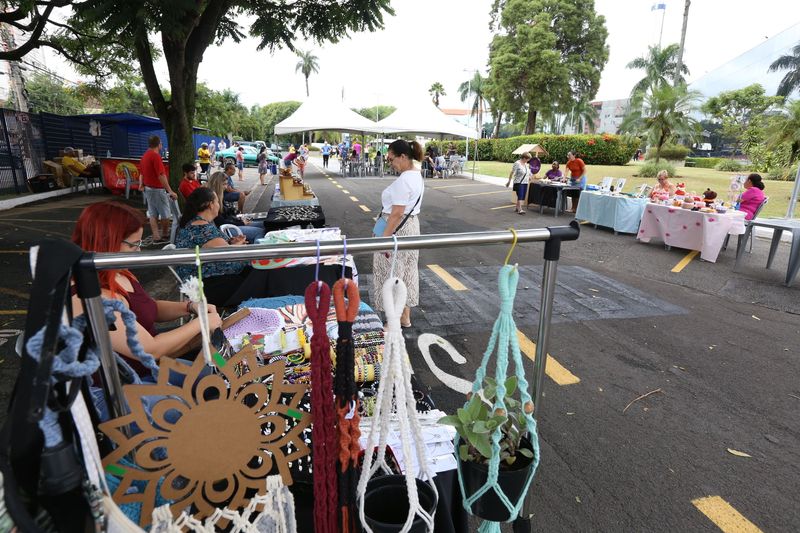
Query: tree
x=49, y=95
x=273, y=113
x=436, y=90
x=742, y=112
x=790, y=62
x=475, y=87
x=660, y=66
x=307, y=65
x=547, y=54
x=376, y=112
x=785, y=130
x=126, y=96
x=662, y=115
x=582, y=116
x=186, y=29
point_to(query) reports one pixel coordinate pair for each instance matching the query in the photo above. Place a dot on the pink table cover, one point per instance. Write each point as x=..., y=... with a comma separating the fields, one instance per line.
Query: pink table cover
x=691, y=230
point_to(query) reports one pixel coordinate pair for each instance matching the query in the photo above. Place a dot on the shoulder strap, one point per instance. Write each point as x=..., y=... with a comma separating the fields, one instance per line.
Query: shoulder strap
x=405, y=218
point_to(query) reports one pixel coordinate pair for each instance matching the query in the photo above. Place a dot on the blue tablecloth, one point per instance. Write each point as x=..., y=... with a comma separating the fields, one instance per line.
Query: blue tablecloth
x=621, y=213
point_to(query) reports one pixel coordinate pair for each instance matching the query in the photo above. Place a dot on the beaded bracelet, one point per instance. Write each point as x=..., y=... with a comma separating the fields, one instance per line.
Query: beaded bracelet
x=296, y=357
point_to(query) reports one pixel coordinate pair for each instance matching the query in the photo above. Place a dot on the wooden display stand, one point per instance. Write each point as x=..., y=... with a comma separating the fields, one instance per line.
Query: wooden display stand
x=291, y=190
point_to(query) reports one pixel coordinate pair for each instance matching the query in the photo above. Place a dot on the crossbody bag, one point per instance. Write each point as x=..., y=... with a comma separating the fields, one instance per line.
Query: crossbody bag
x=380, y=224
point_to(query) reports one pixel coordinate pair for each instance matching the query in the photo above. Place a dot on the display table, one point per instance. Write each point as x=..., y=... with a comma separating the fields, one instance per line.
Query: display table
x=691, y=230
x=278, y=218
x=621, y=213
x=778, y=225
x=279, y=201
x=549, y=194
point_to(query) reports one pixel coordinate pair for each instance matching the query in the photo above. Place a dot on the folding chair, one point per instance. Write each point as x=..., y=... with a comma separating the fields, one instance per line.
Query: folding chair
x=176, y=217
x=746, y=223
x=178, y=279
x=230, y=230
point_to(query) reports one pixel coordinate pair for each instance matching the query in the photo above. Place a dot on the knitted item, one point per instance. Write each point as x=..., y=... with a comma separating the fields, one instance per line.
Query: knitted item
x=504, y=336
x=346, y=392
x=395, y=387
x=323, y=435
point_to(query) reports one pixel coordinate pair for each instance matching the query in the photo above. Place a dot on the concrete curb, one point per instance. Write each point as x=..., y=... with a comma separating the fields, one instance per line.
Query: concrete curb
x=31, y=198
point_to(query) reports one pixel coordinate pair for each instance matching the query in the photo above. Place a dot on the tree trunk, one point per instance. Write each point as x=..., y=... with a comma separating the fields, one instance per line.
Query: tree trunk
x=181, y=145
x=530, y=123
x=496, y=130
x=306, y=86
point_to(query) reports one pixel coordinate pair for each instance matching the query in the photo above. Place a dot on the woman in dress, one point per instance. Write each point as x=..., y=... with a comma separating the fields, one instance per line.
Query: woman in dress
x=752, y=197
x=218, y=182
x=263, y=165
x=663, y=186
x=520, y=173
x=401, y=202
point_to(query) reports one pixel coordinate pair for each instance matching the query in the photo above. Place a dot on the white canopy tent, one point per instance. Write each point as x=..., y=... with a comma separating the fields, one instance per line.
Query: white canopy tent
x=316, y=115
x=423, y=118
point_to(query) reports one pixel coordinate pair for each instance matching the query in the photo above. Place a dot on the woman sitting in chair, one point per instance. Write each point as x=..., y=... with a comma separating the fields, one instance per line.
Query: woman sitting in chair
x=752, y=197
x=115, y=227
x=227, y=212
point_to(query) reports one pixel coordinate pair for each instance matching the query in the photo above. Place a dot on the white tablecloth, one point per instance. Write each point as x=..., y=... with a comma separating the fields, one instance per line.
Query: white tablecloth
x=622, y=213
x=691, y=230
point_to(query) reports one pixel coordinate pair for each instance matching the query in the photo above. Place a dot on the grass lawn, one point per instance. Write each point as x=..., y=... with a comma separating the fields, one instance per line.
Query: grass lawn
x=696, y=179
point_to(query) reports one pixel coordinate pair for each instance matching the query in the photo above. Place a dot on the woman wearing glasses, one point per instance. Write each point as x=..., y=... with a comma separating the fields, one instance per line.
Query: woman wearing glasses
x=663, y=186
x=115, y=227
x=401, y=202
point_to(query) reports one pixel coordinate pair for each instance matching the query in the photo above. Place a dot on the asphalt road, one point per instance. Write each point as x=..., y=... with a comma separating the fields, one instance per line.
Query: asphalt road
x=721, y=349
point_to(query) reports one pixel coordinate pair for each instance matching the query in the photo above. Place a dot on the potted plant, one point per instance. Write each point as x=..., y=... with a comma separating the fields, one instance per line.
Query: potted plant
x=475, y=424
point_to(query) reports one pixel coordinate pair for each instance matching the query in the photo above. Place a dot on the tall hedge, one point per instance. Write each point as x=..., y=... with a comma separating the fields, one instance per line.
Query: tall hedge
x=594, y=149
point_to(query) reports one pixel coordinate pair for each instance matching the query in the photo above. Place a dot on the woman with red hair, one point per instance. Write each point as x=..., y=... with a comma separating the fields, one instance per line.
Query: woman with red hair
x=115, y=227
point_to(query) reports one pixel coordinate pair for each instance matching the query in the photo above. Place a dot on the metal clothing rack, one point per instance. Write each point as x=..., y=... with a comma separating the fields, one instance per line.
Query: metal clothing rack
x=88, y=285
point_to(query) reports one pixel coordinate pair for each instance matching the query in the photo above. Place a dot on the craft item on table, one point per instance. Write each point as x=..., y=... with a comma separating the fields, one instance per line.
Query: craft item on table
x=502, y=341
x=395, y=387
x=680, y=190
x=238, y=429
x=272, y=512
x=258, y=320
x=346, y=393
x=192, y=287
x=709, y=196
x=296, y=213
x=323, y=432
x=306, y=234
x=735, y=189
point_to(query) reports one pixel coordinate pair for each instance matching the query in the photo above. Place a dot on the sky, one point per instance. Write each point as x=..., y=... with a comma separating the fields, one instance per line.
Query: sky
x=446, y=40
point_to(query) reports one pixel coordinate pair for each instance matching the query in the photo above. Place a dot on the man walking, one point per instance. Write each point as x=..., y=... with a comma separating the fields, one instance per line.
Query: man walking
x=157, y=191
x=326, y=153
x=222, y=146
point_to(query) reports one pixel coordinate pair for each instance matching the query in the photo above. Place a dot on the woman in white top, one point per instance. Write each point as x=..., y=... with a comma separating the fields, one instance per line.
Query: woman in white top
x=401, y=202
x=520, y=173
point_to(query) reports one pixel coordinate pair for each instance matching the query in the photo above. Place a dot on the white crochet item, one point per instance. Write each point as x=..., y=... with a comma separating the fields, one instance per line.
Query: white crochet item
x=191, y=288
x=395, y=384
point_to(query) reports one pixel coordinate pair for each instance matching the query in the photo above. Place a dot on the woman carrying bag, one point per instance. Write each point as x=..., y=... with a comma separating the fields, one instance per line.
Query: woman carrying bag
x=401, y=202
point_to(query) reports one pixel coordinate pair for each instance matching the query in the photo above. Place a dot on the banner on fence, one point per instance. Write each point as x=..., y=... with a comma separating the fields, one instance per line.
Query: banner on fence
x=114, y=173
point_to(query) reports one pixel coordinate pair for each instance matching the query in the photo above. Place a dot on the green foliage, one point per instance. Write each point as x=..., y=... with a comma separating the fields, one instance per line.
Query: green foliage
x=308, y=63
x=672, y=152
x=546, y=54
x=704, y=162
x=729, y=165
x=475, y=424
x=376, y=112
x=436, y=90
x=273, y=113
x=651, y=169
x=784, y=131
x=476, y=88
x=790, y=62
x=782, y=174
x=660, y=66
x=594, y=149
x=126, y=96
x=47, y=94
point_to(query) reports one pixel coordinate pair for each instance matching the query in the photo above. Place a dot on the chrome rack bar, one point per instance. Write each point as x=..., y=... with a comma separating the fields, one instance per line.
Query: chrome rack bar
x=552, y=237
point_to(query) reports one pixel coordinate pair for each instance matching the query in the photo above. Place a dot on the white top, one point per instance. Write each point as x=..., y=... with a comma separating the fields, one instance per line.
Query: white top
x=520, y=172
x=404, y=191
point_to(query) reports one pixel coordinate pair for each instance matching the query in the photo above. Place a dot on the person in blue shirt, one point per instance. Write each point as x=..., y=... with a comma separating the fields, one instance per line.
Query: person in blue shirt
x=326, y=153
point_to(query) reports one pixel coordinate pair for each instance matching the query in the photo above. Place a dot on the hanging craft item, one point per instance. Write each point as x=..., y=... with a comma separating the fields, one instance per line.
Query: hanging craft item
x=213, y=440
x=323, y=432
x=384, y=500
x=193, y=289
x=344, y=387
x=496, y=459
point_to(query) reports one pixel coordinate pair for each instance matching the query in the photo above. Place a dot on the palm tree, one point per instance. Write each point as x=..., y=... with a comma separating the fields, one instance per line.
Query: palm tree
x=475, y=87
x=436, y=90
x=791, y=81
x=583, y=114
x=785, y=129
x=307, y=65
x=660, y=65
x=662, y=115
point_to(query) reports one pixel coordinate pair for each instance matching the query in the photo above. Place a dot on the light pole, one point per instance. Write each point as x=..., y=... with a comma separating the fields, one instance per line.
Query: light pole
x=466, y=147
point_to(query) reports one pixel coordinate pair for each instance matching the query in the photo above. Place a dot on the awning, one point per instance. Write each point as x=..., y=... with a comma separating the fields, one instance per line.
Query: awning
x=316, y=115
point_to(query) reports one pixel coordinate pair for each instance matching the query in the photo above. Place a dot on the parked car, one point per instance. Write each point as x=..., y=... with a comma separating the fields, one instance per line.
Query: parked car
x=250, y=152
x=256, y=144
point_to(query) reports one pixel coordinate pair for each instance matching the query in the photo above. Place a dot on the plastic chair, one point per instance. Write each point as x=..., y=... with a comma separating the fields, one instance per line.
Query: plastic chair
x=230, y=230
x=176, y=217
x=178, y=279
x=747, y=223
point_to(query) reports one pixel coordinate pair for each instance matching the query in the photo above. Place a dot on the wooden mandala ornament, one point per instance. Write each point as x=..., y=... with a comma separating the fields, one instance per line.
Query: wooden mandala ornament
x=212, y=443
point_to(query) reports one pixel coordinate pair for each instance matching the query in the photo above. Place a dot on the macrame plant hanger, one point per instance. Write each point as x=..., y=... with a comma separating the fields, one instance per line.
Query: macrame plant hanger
x=395, y=389
x=503, y=340
x=193, y=289
x=346, y=301
x=323, y=432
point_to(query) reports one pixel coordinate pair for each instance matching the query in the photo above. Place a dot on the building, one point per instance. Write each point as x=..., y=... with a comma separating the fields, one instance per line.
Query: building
x=610, y=114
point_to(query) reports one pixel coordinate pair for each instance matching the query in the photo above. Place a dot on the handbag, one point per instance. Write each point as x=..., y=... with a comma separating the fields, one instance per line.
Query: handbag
x=380, y=223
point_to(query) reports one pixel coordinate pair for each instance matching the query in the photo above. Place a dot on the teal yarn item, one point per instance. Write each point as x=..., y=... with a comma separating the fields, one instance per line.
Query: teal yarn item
x=502, y=341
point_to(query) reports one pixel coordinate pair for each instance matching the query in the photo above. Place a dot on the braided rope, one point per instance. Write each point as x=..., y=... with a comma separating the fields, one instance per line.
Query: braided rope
x=503, y=337
x=323, y=432
x=395, y=385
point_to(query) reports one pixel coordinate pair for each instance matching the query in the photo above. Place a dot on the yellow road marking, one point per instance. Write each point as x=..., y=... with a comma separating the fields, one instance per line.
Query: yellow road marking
x=354, y=198
x=552, y=368
x=482, y=193
x=685, y=261
x=334, y=181
x=345, y=191
x=12, y=292
x=29, y=228
x=447, y=278
x=14, y=251
x=583, y=222
x=339, y=186
x=504, y=206
x=462, y=185
x=365, y=209
x=724, y=515
x=14, y=312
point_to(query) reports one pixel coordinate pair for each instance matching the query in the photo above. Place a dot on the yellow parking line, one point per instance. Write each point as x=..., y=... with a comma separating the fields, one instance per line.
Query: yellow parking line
x=345, y=191
x=482, y=193
x=552, y=368
x=447, y=278
x=13, y=292
x=334, y=181
x=724, y=515
x=339, y=186
x=462, y=185
x=504, y=206
x=354, y=198
x=14, y=312
x=583, y=222
x=365, y=209
x=685, y=261
x=14, y=251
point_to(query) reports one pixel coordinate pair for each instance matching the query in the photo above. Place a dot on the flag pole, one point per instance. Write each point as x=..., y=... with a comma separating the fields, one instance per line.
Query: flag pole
x=661, y=33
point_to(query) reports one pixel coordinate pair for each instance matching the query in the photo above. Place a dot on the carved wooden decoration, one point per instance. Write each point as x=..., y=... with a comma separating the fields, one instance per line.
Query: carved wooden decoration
x=213, y=444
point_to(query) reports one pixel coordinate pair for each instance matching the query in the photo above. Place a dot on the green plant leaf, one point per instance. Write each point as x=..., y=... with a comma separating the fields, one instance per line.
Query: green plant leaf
x=490, y=381
x=463, y=415
x=489, y=392
x=474, y=406
x=491, y=424
x=483, y=445
x=499, y=419
x=480, y=427
x=463, y=452
x=511, y=403
x=483, y=412
x=526, y=452
x=511, y=385
x=450, y=420
x=510, y=459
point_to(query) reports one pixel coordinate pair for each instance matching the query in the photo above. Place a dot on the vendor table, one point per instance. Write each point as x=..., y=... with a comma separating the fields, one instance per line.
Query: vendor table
x=284, y=217
x=549, y=195
x=277, y=201
x=691, y=230
x=778, y=225
x=621, y=213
